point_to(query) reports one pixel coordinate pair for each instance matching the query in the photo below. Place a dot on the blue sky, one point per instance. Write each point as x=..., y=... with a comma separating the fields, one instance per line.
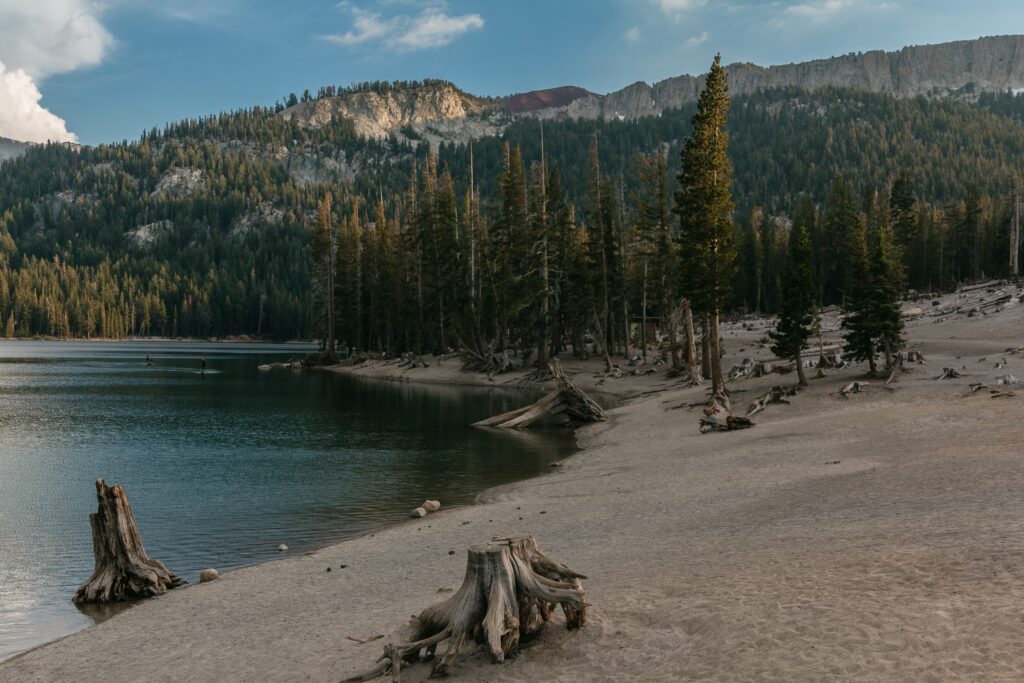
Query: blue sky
x=106, y=71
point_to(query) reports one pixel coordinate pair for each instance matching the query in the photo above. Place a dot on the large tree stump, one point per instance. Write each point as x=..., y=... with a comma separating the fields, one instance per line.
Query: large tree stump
x=535, y=612
x=567, y=399
x=487, y=606
x=123, y=570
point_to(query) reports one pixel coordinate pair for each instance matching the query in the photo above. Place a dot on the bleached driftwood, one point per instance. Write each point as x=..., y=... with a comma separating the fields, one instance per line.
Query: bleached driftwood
x=500, y=580
x=726, y=423
x=567, y=399
x=776, y=394
x=123, y=569
x=852, y=388
x=949, y=373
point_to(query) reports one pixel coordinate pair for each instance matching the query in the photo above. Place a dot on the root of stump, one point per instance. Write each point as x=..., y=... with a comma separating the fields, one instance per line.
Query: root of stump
x=508, y=592
x=123, y=569
x=567, y=399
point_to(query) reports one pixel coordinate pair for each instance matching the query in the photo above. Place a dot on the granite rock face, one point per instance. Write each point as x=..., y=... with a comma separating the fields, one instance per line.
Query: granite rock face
x=441, y=112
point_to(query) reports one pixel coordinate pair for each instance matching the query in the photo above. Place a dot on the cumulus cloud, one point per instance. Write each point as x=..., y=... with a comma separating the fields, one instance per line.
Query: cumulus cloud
x=21, y=116
x=40, y=38
x=432, y=27
x=46, y=37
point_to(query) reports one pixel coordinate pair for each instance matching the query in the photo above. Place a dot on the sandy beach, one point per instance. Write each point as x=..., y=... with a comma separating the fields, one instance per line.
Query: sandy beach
x=871, y=538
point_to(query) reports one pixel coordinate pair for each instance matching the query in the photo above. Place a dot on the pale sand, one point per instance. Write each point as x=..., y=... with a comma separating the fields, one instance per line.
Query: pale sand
x=875, y=538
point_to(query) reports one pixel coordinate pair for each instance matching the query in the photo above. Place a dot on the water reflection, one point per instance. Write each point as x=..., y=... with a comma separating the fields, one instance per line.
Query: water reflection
x=220, y=469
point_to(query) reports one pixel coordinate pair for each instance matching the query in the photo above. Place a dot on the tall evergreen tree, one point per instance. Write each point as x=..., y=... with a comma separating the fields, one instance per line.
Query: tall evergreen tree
x=797, y=311
x=322, y=250
x=704, y=206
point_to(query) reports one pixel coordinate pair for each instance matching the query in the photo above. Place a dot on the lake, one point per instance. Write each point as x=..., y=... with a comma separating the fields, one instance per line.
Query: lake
x=221, y=467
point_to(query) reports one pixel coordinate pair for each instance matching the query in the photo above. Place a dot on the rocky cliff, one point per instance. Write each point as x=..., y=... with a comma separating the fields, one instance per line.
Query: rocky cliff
x=10, y=149
x=960, y=70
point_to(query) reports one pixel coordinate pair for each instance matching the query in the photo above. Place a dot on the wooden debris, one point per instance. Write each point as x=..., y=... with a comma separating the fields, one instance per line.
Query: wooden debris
x=567, y=399
x=915, y=357
x=499, y=584
x=949, y=373
x=776, y=394
x=1005, y=380
x=852, y=388
x=123, y=569
x=728, y=423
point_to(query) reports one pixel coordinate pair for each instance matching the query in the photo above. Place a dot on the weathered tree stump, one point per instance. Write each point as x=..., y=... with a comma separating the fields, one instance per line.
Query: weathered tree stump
x=567, y=399
x=498, y=583
x=123, y=570
x=535, y=612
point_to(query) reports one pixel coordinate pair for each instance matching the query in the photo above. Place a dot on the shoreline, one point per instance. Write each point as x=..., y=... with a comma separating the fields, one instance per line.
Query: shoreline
x=860, y=538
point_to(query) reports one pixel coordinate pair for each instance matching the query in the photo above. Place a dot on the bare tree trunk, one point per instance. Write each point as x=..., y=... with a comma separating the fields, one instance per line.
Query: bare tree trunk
x=705, y=347
x=801, y=375
x=643, y=318
x=691, y=343
x=717, y=379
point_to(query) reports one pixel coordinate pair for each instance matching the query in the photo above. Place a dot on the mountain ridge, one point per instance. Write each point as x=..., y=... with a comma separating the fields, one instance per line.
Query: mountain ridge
x=440, y=112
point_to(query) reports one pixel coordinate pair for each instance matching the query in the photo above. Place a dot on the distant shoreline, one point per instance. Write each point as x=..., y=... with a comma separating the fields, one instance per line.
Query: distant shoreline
x=162, y=340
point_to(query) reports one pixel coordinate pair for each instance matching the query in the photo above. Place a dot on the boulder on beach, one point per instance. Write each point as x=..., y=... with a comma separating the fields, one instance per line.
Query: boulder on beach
x=208, y=575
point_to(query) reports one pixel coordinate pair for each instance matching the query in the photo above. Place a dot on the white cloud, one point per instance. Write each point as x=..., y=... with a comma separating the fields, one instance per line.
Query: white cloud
x=21, y=117
x=676, y=6
x=40, y=38
x=432, y=27
x=822, y=10
x=45, y=37
x=633, y=34
x=698, y=40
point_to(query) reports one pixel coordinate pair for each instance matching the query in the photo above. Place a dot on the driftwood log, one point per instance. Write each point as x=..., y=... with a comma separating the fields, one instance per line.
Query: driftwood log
x=728, y=423
x=852, y=388
x=123, y=570
x=567, y=399
x=776, y=394
x=500, y=587
x=949, y=373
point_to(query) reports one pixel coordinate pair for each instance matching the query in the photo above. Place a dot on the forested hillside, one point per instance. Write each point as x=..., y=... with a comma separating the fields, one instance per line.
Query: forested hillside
x=204, y=228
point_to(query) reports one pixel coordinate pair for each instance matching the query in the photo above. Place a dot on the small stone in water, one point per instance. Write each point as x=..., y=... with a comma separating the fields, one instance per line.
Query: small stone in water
x=208, y=575
x=281, y=548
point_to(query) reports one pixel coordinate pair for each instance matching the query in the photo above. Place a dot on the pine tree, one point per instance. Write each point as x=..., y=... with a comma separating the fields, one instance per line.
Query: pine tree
x=861, y=330
x=885, y=297
x=322, y=250
x=797, y=311
x=704, y=206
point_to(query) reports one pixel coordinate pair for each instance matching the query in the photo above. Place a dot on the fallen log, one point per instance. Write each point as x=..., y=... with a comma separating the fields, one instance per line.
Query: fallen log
x=567, y=399
x=728, y=423
x=499, y=579
x=123, y=569
x=776, y=394
x=852, y=388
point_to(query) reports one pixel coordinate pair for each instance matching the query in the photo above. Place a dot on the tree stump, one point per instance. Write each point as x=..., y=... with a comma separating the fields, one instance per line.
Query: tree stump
x=535, y=612
x=497, y=584
x=123, y=570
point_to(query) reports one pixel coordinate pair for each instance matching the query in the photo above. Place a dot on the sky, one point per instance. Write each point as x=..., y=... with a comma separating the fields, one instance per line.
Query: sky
x=98, y=71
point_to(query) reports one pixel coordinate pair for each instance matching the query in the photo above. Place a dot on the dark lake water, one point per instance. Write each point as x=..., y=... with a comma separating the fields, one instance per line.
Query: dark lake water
x=220, y=468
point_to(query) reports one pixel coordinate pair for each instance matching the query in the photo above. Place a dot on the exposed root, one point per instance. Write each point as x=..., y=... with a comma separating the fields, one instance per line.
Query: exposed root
x=508, y=591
